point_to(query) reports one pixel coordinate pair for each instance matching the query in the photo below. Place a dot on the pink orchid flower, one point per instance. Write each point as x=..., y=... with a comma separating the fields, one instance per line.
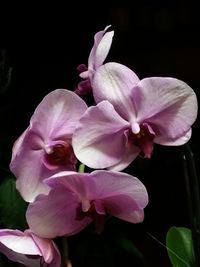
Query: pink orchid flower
x=77, y=199
x=131, y=115
x=99, y=52
x=45, y=146
x=29, y=249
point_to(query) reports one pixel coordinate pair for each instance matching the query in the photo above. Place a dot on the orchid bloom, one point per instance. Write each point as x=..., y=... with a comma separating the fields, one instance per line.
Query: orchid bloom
x=99, y=52
x=45, y=146
x=131, y=115
x=29, y=249
x=77, y=199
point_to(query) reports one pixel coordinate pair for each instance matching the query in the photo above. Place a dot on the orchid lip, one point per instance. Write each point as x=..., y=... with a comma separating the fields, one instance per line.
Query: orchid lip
x=59, y=153
x=143, y=139
x=89, y=209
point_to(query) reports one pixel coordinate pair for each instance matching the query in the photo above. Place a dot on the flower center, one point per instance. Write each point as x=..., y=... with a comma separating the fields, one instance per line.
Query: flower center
x=143, y=139
x=60, y=154
x=95, y=211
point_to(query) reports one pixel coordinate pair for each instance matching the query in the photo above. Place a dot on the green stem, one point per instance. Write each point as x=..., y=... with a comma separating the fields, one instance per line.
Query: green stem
x=81, y=168
x=193, y=194
x=65, y=254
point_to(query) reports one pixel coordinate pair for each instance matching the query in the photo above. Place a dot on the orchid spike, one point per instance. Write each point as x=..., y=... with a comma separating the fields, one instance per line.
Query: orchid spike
x=29, y=249
x=132, y=115
x=45, y=146
x=99, y=52
x=77, y=199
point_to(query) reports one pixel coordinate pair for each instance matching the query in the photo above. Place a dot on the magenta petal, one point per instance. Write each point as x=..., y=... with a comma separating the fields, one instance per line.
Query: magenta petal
x=56, y=261
x=57, y=115
x=49, y=251
x=19, y=242
x=124, y=208
x=55, y=214
x=135, y=216
x=84, y=74
x=101, y=47
x=99, y=139
x=28, y=249
x=33, y=261
x=130, y=153
x=105, y=185
x=28, y=167
x=111, y=184
x=168, y=105
x=18, y=145
x=123, y=195
x=164, y=140
x=79, y=183
x=114, y=82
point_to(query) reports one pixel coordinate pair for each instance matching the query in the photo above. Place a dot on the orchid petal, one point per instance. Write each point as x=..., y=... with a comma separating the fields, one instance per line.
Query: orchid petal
x=123, y=208
x=55, y=214
x=99, y=139
x=114, y=184
x=99, y=184
x=45, y=247
x=56, y=116
x=49, y=250
x=84, y=74
x=17, y=245
x=75, y=182
x=99, y=52
x=177, y=142
x=168, y=105
x=56, y=261
x=114, y=82
x=124, y=196
x=136, y=216
x=21, y=258
x=130, y=153
x=102, y=184
x=18, y=145
x=28, y=168
x=18, y=242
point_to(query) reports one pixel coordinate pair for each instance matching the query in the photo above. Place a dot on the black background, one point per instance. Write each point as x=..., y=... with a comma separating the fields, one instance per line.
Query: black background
x=44, y=47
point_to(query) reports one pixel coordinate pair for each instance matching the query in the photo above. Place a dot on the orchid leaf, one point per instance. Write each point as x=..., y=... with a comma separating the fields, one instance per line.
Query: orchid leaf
x=180, y=247
x=12, y=206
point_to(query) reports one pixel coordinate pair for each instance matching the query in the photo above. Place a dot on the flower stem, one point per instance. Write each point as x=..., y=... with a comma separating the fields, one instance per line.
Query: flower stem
x=81, y=168
x=193, y=195
x=65, y=254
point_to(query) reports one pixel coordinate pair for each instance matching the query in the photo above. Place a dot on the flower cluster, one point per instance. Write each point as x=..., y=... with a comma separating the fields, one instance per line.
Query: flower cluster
x=128, y=117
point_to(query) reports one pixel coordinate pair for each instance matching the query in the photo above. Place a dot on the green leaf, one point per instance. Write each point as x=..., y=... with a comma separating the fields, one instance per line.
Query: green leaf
x=12, y=206
x=180, y=247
